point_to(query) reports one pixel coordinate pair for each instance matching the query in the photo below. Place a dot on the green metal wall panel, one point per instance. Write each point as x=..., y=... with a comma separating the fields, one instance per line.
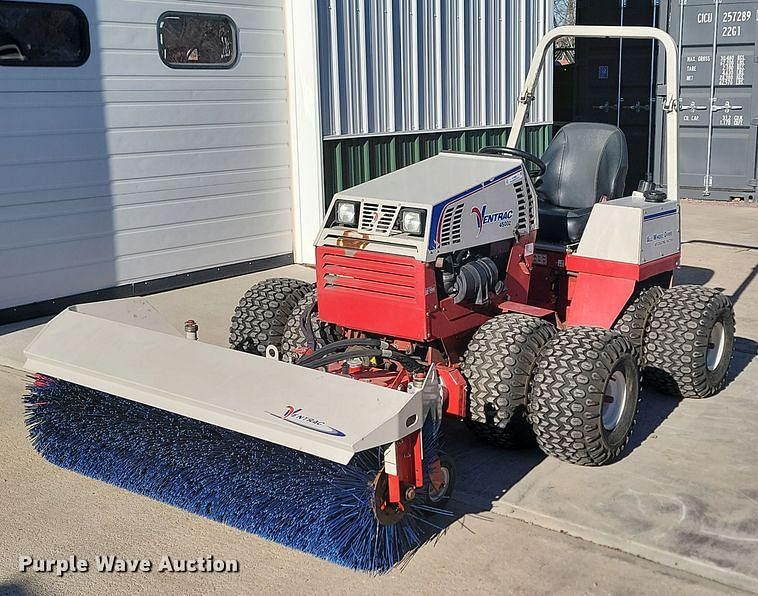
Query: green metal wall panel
x=351, y=161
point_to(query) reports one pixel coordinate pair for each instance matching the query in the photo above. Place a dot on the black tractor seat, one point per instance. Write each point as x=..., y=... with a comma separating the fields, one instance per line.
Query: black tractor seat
x=586, y=163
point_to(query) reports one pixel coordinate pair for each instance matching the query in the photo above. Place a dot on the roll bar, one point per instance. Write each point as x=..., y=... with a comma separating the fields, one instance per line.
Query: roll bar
x=670, y=106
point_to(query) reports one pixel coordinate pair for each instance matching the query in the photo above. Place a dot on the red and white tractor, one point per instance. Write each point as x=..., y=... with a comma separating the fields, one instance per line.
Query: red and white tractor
x=521, y=294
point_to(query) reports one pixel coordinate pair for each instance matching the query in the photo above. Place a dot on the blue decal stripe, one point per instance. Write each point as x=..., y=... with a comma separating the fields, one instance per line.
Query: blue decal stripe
x=440, y=207
x=661, y=214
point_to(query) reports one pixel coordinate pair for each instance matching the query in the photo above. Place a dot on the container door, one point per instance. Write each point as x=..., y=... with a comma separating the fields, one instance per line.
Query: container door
x=717, y=114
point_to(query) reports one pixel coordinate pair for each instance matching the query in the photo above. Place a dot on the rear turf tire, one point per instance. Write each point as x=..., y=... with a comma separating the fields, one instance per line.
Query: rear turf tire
x=498, y=365
x=635, y=317
x=294, y=341
x=690, y=342
x=262, y=313
x=584, y=395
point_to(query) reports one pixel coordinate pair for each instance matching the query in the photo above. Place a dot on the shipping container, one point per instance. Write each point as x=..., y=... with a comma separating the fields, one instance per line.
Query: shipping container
x=718, y=115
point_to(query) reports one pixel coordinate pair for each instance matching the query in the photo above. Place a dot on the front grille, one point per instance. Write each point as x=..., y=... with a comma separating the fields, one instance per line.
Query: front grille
x=377, y=218
x=370, y=275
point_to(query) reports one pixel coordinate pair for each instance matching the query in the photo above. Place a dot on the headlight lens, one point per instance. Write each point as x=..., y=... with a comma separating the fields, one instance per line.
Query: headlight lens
x=346, y=213
x=412, y=222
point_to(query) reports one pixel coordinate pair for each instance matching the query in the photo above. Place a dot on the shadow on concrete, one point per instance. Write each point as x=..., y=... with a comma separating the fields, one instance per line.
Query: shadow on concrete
x=21, y=325
x=722, y=244
x=652, y=411
x=744, y=285
x=686, y=274
x=698, y=275
x=483, y=469
x=13, y=589
x=485, y=474
x=741, y=360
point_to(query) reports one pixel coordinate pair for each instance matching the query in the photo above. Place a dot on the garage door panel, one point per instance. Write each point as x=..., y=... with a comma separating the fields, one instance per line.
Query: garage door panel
x=93, y=116
x=47, y=256
x=125, y=170
x=29, y=148
x=69, y=224
x=24, y=288
x=142, y=166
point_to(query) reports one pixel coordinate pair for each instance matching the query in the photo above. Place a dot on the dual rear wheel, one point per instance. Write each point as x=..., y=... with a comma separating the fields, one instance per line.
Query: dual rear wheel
x=578, y=389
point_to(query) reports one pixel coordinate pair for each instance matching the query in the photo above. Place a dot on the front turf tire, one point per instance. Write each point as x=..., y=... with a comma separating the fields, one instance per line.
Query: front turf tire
x=498, y=366
x=262, y=313
x=690, y=342
x=294, y=340
x=584, y=396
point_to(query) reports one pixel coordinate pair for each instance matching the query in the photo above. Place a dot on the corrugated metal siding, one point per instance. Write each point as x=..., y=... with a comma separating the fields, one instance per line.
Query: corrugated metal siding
x=415, y=65
x=125, y=170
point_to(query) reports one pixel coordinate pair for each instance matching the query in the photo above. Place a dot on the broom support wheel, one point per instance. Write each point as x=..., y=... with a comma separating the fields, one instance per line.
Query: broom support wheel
x=386, y=513
x=441, y=482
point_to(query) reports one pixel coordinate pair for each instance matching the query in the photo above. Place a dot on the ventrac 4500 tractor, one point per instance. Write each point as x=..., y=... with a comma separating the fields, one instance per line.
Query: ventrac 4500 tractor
x=524, y=295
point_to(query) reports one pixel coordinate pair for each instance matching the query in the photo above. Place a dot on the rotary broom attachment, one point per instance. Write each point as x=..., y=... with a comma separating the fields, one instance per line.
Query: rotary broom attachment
x=294, y=498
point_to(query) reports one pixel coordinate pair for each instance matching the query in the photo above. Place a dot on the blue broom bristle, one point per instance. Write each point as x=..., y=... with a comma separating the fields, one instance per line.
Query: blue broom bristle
x=293, y=498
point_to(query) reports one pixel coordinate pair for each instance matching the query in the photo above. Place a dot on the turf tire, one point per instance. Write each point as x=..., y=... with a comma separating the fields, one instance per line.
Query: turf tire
x=567, y=392
x=262, y=313
x=635, y=317
x=677, y=341
x=498, y=365
x=294, y=340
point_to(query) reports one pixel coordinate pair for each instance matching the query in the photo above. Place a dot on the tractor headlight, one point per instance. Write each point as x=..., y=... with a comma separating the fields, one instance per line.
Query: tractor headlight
x=346, y=213
x=412, y=221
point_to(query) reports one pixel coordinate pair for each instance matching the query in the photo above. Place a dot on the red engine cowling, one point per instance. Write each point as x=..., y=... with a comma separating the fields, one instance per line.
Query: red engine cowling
x=391, y=296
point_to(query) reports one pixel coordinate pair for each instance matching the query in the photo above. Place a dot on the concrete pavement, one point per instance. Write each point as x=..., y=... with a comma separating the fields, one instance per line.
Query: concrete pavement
x=685, y=496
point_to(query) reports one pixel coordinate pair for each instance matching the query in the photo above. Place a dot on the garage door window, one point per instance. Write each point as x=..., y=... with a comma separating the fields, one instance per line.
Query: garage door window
x=42, y=34
x=192, y=40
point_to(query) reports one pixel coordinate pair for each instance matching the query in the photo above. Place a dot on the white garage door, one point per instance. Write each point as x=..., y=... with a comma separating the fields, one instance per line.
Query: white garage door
x=165, y=152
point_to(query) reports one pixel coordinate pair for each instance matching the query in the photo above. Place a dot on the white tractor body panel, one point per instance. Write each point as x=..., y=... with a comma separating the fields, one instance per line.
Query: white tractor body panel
x=631, y=230
x=469, y=199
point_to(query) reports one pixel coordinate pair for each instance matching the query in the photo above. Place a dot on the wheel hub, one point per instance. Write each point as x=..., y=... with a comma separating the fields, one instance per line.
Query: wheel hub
x=439, y=483
x=716, y=344
x=614, y=400
x=386, y=513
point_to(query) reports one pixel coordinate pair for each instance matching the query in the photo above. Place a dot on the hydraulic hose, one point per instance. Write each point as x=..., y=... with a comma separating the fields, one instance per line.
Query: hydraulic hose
x=342, y=344
x=404, y=360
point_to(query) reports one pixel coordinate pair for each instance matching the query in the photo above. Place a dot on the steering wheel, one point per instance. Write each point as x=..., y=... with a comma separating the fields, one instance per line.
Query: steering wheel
x=525, y=155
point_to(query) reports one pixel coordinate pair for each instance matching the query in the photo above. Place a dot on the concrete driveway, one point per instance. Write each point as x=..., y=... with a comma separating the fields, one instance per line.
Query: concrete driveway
x=678, y=514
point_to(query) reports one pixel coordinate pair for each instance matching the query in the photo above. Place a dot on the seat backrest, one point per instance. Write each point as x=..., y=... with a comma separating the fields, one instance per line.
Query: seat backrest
x=586, y=161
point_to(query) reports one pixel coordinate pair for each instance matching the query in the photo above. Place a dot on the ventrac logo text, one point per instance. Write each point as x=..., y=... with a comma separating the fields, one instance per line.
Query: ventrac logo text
x=296, y=416
x=482, y=218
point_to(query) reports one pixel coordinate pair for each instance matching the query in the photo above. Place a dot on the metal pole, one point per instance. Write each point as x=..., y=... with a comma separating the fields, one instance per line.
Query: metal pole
x=620, y=69
x=651, y=98
x=707, y=181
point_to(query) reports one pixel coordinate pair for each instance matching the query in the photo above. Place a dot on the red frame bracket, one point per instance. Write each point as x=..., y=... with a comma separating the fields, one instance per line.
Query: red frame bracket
x=579, y=264
x=410, y=468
